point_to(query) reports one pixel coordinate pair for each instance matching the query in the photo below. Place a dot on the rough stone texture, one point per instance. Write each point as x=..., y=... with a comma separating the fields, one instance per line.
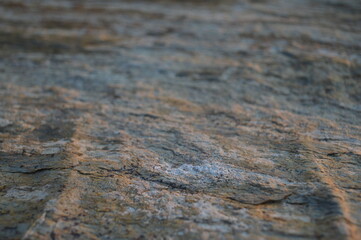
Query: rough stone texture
x=180, y=119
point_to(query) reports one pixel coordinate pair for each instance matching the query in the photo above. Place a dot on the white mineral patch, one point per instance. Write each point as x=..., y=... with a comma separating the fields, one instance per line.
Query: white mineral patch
x=215, y=170
x=61, y=142
x=50, y=151
x=25, y=193
x=4, y=122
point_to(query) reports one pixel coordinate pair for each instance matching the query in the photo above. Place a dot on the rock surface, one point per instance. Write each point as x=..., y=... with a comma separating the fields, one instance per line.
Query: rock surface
x=180, y=119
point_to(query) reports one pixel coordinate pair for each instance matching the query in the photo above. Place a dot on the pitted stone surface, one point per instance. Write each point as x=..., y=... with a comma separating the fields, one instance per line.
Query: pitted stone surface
x=180, y=119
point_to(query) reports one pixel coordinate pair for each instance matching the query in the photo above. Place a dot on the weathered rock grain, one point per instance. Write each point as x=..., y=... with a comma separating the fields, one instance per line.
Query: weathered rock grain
x=180, y=119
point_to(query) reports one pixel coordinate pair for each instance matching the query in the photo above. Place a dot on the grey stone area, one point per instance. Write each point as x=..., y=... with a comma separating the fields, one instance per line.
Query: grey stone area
x=180, y=119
